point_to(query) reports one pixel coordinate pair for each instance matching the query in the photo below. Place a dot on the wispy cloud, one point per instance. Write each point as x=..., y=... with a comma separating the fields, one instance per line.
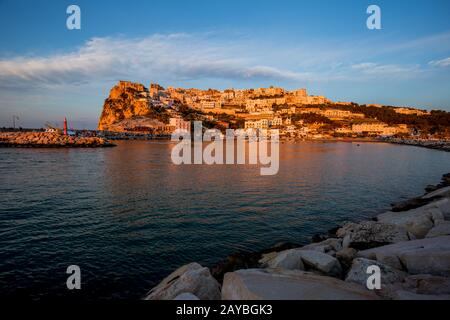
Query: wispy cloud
x=176, y=57
x=370, y=68
x=440, y=63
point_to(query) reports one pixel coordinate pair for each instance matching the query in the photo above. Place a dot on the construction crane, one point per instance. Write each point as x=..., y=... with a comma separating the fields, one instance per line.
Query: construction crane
x=14, y=118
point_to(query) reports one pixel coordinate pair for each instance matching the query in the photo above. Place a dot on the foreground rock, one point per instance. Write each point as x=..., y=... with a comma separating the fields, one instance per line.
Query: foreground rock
x=370, y=234
x=269, y=284
x=424, y=256
x=301, y=259
x=440, y=229
x=329, y=246
x=346, y=256
x=248, y=260
x=439, y=193
x=358, y=272
x=288, y=259
x=191, y=278
x=322, y=262
x=427, y=284
x=418, y=287
x=418, y=222
x=407, y=295
x=186, y=296
x=50, y=140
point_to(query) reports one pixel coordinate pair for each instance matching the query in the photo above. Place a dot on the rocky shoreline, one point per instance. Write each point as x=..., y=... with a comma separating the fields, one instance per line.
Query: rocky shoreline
x=443, y=145
x=409, y=244
x=49, y=140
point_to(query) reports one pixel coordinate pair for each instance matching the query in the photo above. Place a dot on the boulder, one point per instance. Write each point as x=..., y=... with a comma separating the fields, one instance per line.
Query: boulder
x=370, y=234
x=329, y=246
x=416, y=221
x=321, y=262
x=297, y=259
x=440, y=229
x=442, y=192
x=443, y=205
x=186, y=296
x=407, y=295
x=346, y=256
x=191, y=278
x=269, y=284
x=246, y=260
x=358, y=272
x=409, y=204
x=288, y=259
x=423, y=256
x=427, y=284
x=267, y=257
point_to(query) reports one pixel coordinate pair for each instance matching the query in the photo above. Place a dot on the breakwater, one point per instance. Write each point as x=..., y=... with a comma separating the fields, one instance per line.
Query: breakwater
x=49, y=140
x=443, y=145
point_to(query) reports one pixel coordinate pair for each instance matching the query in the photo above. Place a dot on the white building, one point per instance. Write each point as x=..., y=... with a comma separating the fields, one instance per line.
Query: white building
x=179, y=123
x=257, y=124
x=209, y=104
x=277, y=121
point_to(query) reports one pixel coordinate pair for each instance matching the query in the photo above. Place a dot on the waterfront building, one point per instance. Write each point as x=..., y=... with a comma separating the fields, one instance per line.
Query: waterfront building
x=179, y=123
x=276, y=121
x=257, y=124
x=337, y=114
x=374, y=127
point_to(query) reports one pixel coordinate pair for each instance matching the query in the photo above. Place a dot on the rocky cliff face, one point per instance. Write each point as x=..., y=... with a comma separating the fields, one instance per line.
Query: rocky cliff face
x=126, y=101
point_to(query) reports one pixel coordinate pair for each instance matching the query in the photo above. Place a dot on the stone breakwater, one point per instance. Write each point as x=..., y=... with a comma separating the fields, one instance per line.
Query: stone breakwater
x=443, y=145
x=49, y=140
x=411, y=247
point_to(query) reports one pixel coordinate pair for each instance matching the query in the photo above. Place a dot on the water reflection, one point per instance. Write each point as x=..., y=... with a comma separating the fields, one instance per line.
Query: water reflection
x=128, y=216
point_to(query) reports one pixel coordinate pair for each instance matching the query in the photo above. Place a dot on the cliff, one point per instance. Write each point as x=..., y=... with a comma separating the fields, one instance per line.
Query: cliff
x=127, y=102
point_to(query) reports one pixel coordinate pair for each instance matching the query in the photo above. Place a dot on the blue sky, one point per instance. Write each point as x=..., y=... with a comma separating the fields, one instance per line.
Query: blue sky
x=48, y=72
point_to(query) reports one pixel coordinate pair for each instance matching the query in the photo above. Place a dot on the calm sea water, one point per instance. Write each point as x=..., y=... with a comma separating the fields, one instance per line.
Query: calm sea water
x=127, y=216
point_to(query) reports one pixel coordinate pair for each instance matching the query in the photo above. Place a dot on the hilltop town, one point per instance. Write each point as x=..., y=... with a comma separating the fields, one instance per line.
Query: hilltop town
x=133, y=108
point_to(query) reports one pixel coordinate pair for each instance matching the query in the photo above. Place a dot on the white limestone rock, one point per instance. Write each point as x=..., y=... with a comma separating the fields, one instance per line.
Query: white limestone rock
x=321, y=262
x=358, y=272
x=427, y=284
x=346, y=256
x=422, y=256
x=440, y=229
x=269, y=284
x=419, y=221
x=442, y=192
x=186, y=296
x=407, y=295
x=329, y=246
x=289, y=259
x=191, y=278
x=369, y=234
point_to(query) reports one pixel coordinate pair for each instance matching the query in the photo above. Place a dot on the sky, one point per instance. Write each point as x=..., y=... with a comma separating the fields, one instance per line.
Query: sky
x=48, y=72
